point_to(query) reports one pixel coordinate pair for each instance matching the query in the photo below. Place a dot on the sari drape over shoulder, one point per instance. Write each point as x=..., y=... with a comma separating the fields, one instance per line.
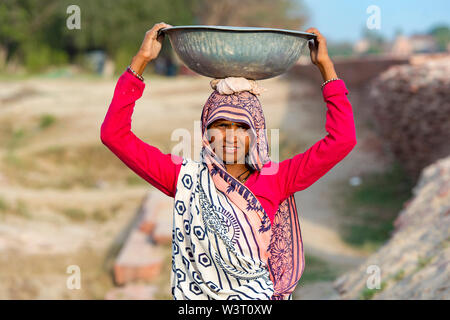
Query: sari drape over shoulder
x=225, y=246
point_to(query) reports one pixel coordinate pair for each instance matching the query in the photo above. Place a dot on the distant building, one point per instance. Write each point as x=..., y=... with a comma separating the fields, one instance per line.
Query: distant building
x=361, y=46
x=401, y=46
x=419, y=43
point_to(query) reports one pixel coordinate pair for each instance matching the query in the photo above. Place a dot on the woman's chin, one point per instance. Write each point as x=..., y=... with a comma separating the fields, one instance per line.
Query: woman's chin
x=232, y=160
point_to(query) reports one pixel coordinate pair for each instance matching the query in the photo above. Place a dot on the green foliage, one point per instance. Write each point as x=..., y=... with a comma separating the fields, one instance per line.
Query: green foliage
x=17, y=138
x=399, y=275
x=344, y=49
x=36, y=35
x=368, y=294
x=3, y=204
x=423, y=261
x=122, y=58
x=318, y=270
x=100, y=215
x=75, y=214
x=284, y=14
x=22, y=209
x=133, y=179
x=38, y=56
x=375, y=39
x=46, y=120
x=442, y=35
x=371, y=208
x=31, y=32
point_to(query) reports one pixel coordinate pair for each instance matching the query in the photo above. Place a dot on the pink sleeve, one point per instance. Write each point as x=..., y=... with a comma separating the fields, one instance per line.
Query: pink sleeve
x=301, y=171
x=160, y=170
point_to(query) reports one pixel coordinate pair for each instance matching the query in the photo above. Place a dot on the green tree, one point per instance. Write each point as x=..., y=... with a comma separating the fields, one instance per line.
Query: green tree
x=35, y=32
x=341, y=49
x=442, y=35
x=28, y=33
x=284, y=14
x=376, y=41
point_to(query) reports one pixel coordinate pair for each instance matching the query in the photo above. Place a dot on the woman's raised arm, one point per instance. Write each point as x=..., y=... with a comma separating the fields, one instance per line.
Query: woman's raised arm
x=301, y=171
x=160, y=170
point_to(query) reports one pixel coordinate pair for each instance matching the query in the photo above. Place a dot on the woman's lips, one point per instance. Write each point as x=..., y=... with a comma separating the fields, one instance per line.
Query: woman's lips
x=230, y=149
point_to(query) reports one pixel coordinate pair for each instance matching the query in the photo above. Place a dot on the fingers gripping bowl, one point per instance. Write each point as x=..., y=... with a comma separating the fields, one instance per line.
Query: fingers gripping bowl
x=252, y=53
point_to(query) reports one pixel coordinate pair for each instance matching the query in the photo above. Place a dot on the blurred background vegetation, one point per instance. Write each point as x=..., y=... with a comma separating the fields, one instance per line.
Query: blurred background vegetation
x=34, y=36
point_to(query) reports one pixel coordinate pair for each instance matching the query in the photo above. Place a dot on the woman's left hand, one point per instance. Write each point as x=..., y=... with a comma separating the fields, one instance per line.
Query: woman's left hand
x=320, y=57
x=318, y=48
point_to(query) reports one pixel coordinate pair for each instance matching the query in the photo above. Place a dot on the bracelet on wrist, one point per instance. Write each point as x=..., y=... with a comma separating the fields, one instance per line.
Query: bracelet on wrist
x=332, y=79
x=135, y=73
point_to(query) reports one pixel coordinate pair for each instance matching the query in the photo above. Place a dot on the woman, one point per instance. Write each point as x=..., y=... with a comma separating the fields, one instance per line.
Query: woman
x=235, y=224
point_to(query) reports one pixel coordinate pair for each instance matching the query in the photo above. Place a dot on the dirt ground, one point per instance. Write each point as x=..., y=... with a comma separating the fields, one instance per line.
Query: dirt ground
x=65, y=198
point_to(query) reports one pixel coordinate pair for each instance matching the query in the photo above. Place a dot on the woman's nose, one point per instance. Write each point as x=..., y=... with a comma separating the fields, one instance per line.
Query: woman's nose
x=230, y=131
x=230, y=136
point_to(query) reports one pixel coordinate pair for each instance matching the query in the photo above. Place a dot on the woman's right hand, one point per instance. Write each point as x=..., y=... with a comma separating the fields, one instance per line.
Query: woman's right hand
x=151, y=45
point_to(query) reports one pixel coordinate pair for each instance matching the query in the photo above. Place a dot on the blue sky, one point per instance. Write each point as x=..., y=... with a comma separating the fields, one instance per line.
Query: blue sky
x=340, y=20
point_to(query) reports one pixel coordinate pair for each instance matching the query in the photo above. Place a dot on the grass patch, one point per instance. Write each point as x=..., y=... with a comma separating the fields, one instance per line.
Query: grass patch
x=399, y=275
x=20, y=208
x=75, y=214
x=13, y=138
x=44, y=276
x=369, y=210
x=317, y=269
x=17, y=138
x=12, y=160
x=445, y=243
x=422, y=262
x=46, y=120
x=65, y=167
x=98, y=214
x=87, y=164
x=368, y=294
x=133, y=180
x=4, y=206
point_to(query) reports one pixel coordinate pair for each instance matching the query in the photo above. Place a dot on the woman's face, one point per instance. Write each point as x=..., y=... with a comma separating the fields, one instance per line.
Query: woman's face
x=229, y=140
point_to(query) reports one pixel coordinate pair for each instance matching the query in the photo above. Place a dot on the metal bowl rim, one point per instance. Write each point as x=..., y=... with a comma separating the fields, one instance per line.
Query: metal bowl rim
x=243, y=29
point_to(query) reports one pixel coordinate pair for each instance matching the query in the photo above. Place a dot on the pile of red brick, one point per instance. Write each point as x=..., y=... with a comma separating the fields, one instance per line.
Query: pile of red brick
x=411, y=107
x=141, y=258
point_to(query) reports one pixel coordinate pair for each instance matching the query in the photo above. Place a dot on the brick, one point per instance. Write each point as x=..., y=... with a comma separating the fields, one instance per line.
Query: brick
x=162, y=234
x=157, y=208
x=139, y=259
x=132, y=292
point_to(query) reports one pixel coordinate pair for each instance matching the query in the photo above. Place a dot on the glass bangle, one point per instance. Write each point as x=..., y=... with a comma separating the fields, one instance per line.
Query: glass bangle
x=333, y=79
x=135, y=73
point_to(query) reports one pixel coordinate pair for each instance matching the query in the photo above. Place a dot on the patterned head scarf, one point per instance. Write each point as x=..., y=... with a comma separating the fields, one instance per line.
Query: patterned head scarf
x=281, y=242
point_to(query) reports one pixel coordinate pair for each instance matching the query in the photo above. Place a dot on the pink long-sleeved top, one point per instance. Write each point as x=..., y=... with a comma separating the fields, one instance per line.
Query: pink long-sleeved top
x=294, y=174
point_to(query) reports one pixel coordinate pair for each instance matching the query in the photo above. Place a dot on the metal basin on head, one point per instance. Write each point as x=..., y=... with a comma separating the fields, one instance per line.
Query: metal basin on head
x=252, y=53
